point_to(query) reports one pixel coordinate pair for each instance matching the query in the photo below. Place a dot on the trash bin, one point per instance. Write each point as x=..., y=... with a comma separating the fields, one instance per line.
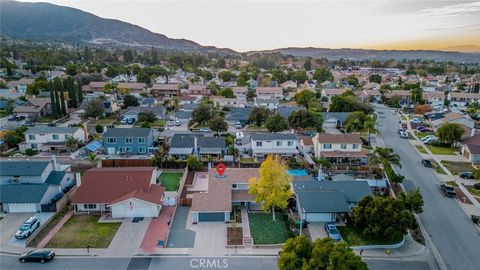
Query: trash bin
x=475, y=219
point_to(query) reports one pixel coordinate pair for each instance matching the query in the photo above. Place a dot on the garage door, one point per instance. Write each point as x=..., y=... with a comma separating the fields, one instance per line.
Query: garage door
x=22, y=208
x=319, y=217
x=211, y=217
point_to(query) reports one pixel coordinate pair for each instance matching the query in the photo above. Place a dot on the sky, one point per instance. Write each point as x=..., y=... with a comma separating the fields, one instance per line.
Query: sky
x=259, y=25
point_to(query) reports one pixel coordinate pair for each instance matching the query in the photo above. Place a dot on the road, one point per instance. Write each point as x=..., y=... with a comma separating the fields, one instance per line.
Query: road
x=180, y=263
x=450, y=229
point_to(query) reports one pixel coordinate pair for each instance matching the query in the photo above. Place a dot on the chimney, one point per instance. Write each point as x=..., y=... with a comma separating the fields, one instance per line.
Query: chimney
x=78, y=178
x=55, y=164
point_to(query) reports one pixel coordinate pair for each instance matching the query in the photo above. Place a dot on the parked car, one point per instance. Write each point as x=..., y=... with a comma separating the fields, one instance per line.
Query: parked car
x=20, y=118
x=37, y=255
x=467, y=175
x=170, y=123
x=416, y=121
x=403, y=133
x=11, y=118
x=27, y=228
x=178, y=123
x=447, y=190
x=205, y=130
x=332, y=232
x=131, y=121
x=426, y=163
x=429, y=139
x=238, y=125
x=123, y=121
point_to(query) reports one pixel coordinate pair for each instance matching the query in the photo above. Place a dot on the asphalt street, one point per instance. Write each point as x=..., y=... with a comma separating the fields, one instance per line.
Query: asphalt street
x=450, y=229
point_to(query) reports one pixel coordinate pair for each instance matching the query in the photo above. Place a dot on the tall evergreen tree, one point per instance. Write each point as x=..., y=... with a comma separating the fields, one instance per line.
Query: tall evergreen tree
x=58, y=110
x=60, y=88
x=78, y=91
x=53, y=107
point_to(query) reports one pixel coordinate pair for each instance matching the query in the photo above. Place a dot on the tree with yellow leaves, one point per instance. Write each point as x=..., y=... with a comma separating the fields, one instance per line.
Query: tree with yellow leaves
x=272, y=189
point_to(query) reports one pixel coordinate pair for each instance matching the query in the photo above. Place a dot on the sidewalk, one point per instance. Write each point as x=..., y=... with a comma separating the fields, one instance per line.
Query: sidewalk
x=54, y=230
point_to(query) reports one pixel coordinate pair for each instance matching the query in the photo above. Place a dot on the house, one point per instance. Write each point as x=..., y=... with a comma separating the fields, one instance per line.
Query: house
x=240, y=91
x=35, y=107
x=471, y=148
x=269, y=93
x=148, y=102
x=264, y=144
x=340, y=148
x=329, y=93
x=133, y=112
x=307, y=145
x=187, y=100
x=333, y=120
x=272, y=104
x=165, y=90
x=287, y=111
x=184, y=145
x=52, y=139
x=132, y=88
x=289, y=84
x=28, y=186
x=373, y=94
x=238, y=115
x=94, y=87
x=221, y=101
x=435, y=98
x=123, y=192
x=404, y=95
x=461, y=99
x=110, y=102
x=183, y=116
x=189, y=107
x=20, y=85
x=128, y=141
x=213, y=195
x=327, y=201
x=458, y=118
x=198, y=90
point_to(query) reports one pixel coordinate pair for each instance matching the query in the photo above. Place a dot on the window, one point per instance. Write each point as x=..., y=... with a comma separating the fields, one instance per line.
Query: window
x=279, y=143
x=31, y=137
x=141, y=140
x=327, y=146
x=290, y=143
x=355, y=146
x=234, y=186
x=142, y=150
x=111, y=140
x=258, y=144
x=343, y=146
x=90, y=206
x=129, y=140
x=129, y=149
x=55, y=137
x=34, y=146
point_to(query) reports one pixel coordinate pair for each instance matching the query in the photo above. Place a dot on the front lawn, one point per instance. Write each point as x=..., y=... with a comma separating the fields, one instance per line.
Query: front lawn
x=266, y=231
x=458, y=167
x=473, y=191
x=436, y=150
x=84, y=231
x=421, y=149
x=155, y=124
x=353, y=237
x=422, y=135
x=103, y=122
x=437, y=167
x=170, y=180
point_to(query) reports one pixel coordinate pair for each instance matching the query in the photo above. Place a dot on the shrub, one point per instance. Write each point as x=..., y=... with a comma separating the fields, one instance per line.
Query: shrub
x=476, y=186
x=99, y=128
x=30, y=152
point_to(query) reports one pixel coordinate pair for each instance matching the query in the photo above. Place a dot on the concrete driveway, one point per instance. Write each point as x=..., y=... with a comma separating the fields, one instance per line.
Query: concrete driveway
x=10, y=224
x=128, y=238
x=180, y=235
x=317, y=230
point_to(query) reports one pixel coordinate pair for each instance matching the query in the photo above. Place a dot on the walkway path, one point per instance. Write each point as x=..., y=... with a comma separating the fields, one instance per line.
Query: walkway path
x=54, y=230
x=247, y=238
x=158, y=229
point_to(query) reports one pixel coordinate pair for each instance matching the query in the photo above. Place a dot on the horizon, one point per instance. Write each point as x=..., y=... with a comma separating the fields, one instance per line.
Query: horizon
x=412, y=25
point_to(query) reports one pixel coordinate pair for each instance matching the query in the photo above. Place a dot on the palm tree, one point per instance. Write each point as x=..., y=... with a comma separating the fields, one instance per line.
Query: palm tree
x=386, y=157
x=93, y=159
x=370, y=126
x=72, y=143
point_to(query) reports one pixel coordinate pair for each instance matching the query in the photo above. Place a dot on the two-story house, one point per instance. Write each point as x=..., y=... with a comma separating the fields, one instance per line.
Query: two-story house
x=36, y=107
x=110, y=102
x=264, y=144
x=128, y=141
x=329, y=93
x=165, y=90
x=340, y=148
x=272, y=104
x=184, y=145
x=46, y=138
x=240, y=91
x=221, y=101
x=29, y=186
x=461, y=99
x=198, y=90
x=269, y=92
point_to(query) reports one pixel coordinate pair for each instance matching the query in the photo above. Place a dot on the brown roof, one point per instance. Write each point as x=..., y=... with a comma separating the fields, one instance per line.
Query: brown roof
x=132, y=86
x=342, y=154
x=307, y=141
x=465, y=95
x=35, y=105
x=475, y=140
x=338, y=138
x=242, y=196
x=97, y=84
x=189, y=98
x=269, y=90
x=110, y=185
x=169, y=87
x=334, y=91
x=473, y=149
x=401, y=93
x=239, y=89
x=452, y=116
x=435, y=94
x=196, y=87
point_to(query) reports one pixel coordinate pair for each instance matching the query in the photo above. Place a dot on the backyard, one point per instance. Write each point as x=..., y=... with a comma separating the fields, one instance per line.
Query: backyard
x=170, y=180
x=84, y=231
x=353, y=237
x=458, y=167
x=266, y=231
x=436, y=150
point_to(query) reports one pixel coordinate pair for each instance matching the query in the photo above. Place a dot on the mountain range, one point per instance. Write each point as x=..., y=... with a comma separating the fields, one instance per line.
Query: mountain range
x=48, y=22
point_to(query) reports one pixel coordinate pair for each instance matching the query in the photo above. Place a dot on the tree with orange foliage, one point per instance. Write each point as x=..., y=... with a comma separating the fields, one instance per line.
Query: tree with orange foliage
x=422, y=109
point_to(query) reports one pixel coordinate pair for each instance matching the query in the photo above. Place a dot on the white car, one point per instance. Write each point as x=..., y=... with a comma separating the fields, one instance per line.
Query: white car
x=170, y=123
x=27, y=228
x=429, y=139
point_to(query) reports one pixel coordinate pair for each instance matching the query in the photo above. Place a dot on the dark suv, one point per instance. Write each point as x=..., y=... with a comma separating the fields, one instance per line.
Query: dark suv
x=426, y=163
x=447, y=190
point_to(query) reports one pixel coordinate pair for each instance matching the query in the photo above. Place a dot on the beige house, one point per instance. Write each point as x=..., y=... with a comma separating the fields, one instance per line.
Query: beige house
x=339, y=148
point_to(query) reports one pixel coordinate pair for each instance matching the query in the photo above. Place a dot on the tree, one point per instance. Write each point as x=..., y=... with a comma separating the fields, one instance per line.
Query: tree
x=99, y=128
x=417, y=94
x=202, y=114
x=94, y=108
x=60, y=87
x=276, y=123
x=194, y=163
x=376, y=78
x=159, y=157
x=259, y=115
x=450, y=133
x=147, y=116
x=218, y=124
x=272, y=189
x=93, y=159
x=351, y=80
x=226, y=75
x=306, y=119
x=227, y=92
x=422, y=109
x=305, y=98
x=323, y=74
x=308, y=64
x=413, y=200
x=58, y=107
x=53, y=107
x=72, y=143
x=370, y=126
x=348, y=104
x=355, y=121
x=323, y=254
x=130, y=100
x=251, y=94
x=386, y=157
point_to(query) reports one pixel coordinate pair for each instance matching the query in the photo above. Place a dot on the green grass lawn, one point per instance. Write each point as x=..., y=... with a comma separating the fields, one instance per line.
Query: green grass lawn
x=83, y=231
x=452, y=183
x=410, y=136
x=403, y=118
x=422, y=135
x=103, y=122
x=48, y=227
x=170, y=180
x=457, y=167
x=353, y=237
x=247, y=160
x=421, y=149
x=266, y=231
x=155, y=124
x=442, y=150
x=473, y=191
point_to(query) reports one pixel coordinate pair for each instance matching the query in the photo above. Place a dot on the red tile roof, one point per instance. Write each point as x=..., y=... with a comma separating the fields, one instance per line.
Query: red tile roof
x=111, y=185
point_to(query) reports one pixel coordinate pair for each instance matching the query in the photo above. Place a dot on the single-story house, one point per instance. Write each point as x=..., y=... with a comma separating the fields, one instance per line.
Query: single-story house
x=134, y=111
x=471, y=148
x=184, y=145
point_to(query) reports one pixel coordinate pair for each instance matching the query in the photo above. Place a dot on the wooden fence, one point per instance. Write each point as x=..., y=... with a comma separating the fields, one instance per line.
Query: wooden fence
x=185, y=201
x=126, y=163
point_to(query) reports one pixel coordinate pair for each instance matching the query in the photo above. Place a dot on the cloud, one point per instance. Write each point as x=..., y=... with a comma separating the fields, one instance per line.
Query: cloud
x=467, y=27
x=452, y=10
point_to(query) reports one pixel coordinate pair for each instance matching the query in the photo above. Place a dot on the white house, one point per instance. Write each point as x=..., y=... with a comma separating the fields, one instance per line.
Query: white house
x=46, y=138
x=339, y=148
x=264, y=144
x=229, y=102
x=269, y=92
x=461, y=99
x=272, y=104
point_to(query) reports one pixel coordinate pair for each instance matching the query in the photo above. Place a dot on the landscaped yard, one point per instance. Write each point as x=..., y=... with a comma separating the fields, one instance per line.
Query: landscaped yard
x=48, y=227
x=436, y=150
x=266, y=231
x=155, y=124
x=421, y=149
x=458, y=167
x=353, y=237
x=170, y=180
x=84, y=231
x=103, y=122
x=473, y=191
x=452, y=183
x=422, y=135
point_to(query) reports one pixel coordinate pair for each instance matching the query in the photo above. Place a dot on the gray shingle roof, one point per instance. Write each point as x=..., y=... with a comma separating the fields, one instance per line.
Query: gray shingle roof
x=137, y=109
x=22, y=168
x=48, y=129
x=183, y=114
x=239, y=114
x=286, y=111
x=22, y=193
x=322, y=202
x=127, y=132
x=55, y=177
x=273, y=136
x=354, y=191
x=187, y=141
